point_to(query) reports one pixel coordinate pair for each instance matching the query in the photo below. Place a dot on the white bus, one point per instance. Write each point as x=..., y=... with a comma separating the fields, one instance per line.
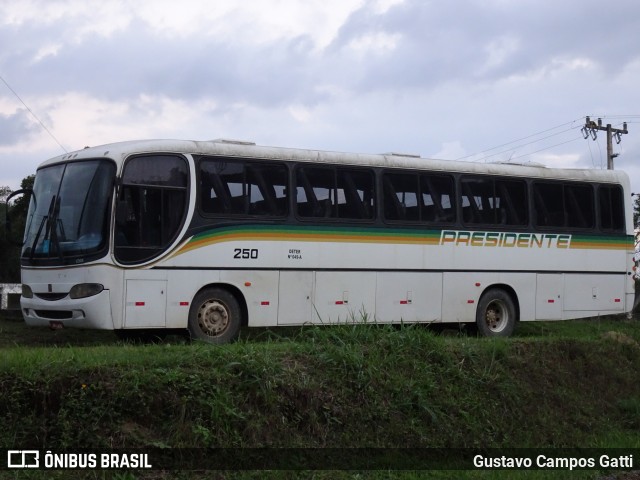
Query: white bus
x=211, y=236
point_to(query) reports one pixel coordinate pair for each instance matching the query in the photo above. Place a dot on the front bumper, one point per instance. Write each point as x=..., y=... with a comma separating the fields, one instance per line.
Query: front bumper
x=90, y=312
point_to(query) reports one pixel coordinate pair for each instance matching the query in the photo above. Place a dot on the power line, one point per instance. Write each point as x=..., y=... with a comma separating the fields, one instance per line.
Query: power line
x=523, y=138
x=33, y=114
x=529, y=143
x=546, y=148
x=615, y=116
x=593, y=160
x=629, y=119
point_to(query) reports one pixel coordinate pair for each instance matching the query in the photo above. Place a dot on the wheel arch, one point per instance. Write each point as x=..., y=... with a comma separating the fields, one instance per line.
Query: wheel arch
x=510, y=291
x=236, y=292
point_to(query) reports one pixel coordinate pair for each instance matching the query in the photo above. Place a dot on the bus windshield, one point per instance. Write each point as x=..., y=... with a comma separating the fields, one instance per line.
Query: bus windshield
x=68, y=214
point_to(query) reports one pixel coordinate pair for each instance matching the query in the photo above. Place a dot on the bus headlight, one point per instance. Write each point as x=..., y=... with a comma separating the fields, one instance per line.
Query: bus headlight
x=26, y=291
x=83, y=290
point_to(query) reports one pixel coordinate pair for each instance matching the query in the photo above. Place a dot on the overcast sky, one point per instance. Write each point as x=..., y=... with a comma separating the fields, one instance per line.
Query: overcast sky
x=444, y=79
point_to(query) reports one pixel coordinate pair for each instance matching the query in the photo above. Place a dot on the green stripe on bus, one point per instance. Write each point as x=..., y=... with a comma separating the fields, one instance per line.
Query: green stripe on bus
x=369, y=235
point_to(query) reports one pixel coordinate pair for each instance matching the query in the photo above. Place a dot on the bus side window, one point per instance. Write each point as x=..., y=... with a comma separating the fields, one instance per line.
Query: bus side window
x=611, y=206
x=437, y=192
x=549, y=204
x=579, y=205
x=477, y=194
x=334, y=192
x=153, y=196
x=494, y=201
x=214, y=192
x=564, y=205
x=267, y=189
x=355, y=194
x=392, y=207
x=513, y=202
x=318, y=185
x=239, y=187
x=306, y=201
x=401, y=194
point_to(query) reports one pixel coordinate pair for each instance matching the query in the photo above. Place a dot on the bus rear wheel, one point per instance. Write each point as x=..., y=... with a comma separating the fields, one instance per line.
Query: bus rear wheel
x=496, y=314
x=215, y=316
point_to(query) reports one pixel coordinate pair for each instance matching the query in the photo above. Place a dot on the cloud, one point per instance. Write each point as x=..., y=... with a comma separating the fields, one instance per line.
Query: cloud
x=472, y=41
x=451, y=150
x=196, y=51
x=15, y=126
x=567, y=160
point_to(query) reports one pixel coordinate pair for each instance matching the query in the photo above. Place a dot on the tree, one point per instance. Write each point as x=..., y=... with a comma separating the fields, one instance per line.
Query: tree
x=17, y=214
x=21, y=207
x=4, y=193
x=636, y=210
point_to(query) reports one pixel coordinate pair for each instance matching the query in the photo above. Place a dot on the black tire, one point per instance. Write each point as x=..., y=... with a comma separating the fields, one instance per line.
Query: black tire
x=215, y=316
x=496, y=314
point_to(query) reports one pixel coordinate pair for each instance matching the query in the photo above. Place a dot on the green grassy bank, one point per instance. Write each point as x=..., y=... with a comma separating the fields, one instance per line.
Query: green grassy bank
x=569, y=384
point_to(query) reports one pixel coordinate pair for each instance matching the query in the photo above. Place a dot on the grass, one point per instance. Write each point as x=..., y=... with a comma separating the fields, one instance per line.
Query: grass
x=552, y=385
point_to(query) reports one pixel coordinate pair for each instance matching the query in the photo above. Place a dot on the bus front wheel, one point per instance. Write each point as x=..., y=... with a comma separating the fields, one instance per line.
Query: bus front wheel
x=496, y=314
x=215, y=316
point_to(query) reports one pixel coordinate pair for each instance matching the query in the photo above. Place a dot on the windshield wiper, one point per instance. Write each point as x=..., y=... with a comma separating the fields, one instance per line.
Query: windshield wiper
x=42, y=224
x=53, y=228
x=49, y=223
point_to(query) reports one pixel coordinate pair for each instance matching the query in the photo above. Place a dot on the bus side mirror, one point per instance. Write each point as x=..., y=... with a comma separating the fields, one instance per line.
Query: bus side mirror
x=7, y=218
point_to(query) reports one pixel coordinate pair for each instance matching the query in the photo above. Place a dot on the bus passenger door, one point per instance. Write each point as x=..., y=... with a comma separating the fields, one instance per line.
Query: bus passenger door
x=146, y=303
x=295, y=297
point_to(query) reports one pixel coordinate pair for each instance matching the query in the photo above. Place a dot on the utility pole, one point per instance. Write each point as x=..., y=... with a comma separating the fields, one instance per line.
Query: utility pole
x=590, y=129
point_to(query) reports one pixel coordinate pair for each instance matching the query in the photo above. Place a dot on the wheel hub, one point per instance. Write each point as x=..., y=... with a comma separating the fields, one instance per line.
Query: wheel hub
x=494, y=317
x=213, y=318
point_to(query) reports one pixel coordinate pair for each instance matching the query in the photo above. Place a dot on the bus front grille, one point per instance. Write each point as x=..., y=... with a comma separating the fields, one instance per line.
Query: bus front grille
x=55, y=314
x=51, y=296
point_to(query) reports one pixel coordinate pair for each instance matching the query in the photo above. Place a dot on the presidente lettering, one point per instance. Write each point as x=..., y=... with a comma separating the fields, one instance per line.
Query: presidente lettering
x=504, y=239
